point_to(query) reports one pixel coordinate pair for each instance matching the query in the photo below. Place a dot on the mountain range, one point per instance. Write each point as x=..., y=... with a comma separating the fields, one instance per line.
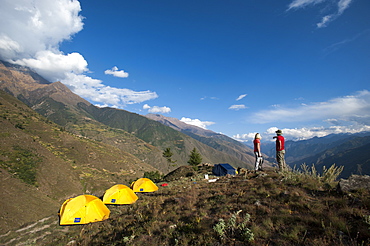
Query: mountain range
x=56, y=145
x=348, y=150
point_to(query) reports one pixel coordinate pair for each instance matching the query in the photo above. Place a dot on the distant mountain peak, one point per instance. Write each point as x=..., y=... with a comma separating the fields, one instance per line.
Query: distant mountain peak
x=181, y=126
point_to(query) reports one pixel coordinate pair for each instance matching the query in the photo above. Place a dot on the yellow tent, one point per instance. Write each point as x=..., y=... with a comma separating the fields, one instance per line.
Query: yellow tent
x=83, y=209
x=143, y=185
x=119, y=194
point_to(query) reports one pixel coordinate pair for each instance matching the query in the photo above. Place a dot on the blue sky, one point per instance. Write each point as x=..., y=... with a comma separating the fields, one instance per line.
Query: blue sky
x=237, y=67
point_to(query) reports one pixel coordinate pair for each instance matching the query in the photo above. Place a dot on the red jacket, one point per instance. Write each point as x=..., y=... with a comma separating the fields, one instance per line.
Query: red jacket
x=280, y=147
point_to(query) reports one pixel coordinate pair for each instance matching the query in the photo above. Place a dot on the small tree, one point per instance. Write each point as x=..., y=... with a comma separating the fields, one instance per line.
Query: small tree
x=195, y=158
x=167, y=153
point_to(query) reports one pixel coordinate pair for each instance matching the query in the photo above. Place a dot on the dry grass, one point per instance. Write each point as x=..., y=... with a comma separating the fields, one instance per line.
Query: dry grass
x=256, y=209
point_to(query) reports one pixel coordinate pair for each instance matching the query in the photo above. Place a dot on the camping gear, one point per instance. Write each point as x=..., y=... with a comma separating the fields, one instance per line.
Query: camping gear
x=83, y=209
x=223, y=169
x=119, y=194
x=143, y=185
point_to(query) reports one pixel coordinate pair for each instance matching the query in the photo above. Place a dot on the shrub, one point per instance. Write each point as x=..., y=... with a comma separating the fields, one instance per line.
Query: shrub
x=155, y=176
x=234, y=230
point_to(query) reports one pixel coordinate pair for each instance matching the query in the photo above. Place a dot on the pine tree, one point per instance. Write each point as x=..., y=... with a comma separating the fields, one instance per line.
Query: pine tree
x=195, y=158
x=167, y=153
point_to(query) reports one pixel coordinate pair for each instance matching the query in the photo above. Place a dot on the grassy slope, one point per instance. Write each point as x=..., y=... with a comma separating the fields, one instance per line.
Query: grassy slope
x=282, y=210
x=41, y=165
x=56, y=102
x=161, y=136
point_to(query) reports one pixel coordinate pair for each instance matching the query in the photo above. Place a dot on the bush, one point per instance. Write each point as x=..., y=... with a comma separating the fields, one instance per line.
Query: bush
x=154, y=176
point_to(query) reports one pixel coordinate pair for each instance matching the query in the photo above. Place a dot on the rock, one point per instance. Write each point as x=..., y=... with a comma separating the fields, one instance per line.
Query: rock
x=354, y=182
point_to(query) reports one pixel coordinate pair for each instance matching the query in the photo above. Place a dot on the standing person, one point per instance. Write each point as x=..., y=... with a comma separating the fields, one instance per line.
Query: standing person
x=257, y=152
x=280, y=150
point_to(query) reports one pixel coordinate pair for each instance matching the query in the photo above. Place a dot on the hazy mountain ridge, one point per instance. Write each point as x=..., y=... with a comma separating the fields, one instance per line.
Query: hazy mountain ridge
x=326, y=151
x=353, y=154
x=162, y=136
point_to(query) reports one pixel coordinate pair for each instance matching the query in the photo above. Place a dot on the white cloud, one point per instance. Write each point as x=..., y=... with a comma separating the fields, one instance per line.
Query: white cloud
x=197, y=122
x=341, y=6
x=241, y=97
x=31, y=32
x=348, y=114
x=28, y=27
x=116, y=73
x=302, y=3
x=212, y=98
x=54, y=65
x=146, y=106
x=304, y=133
x=324, y=21
x=156, y=109
x=237, y=107
x=349, y=108
x=94, y=90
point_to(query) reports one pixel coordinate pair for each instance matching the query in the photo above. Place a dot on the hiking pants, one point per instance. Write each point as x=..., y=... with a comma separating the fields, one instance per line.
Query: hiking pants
x=280, y=158
x=258, y=164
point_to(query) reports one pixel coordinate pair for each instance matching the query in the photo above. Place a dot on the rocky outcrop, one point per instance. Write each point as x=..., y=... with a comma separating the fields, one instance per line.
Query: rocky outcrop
x=354, y=182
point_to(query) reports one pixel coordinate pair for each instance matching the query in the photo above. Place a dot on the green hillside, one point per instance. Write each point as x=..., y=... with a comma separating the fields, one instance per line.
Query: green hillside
x=41, y=164
x=56, y=102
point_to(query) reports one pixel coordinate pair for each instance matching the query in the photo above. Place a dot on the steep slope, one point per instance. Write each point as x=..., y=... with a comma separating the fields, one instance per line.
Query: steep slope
x=215, y=140
x=56, y=102
x=41, y=165
x=348, y=150
x=299, y=150
x=354, y=155
x=162, y=136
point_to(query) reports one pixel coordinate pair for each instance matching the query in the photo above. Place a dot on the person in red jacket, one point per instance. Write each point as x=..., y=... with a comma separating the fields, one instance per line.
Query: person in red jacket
x=280, y=151
x=257, y=152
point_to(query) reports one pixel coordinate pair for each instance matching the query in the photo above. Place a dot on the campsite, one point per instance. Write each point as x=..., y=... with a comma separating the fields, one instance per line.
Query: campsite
x=265, y=208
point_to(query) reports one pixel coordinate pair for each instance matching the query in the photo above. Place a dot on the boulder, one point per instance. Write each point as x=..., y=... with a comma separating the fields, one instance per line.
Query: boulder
x=354, y=182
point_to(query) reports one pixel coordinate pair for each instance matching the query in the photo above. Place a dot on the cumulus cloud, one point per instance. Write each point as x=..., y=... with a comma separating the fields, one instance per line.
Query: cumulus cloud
x=197, y=122
x=237, y=107
x=116, y=73
x=156, y=109
x=31, y=32
x=241, y=97
x=55, y=65
x=304, y=133
x=348, y=108
x=28, y=27
x=348, y=114
x=340, y=6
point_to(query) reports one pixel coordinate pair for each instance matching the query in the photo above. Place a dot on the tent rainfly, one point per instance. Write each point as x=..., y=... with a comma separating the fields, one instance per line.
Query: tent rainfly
x=83, y=209
x=223, y=169
x=119, y=194
x=143, y=185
